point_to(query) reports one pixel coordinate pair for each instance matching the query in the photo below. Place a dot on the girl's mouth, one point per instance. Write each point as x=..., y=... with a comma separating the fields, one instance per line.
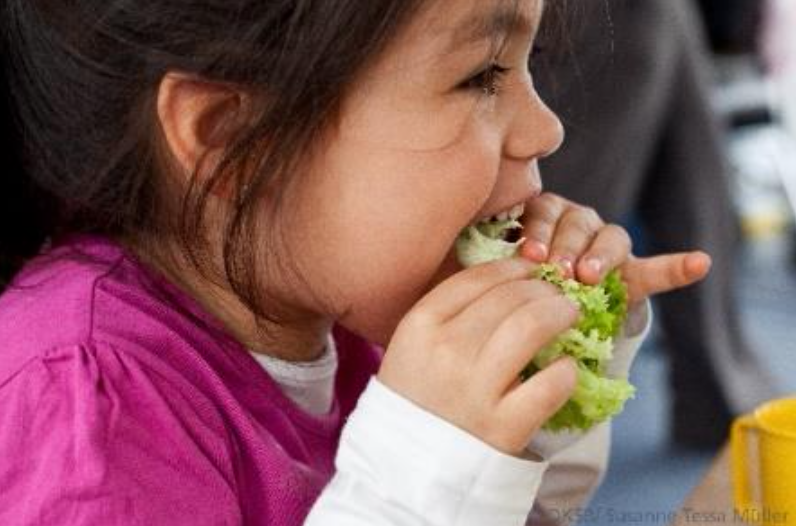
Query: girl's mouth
x=492, y=238
x=505, y=225
x=515, y=212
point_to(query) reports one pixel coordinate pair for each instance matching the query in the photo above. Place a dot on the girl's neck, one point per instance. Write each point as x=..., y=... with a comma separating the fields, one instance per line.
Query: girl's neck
x=302, y=340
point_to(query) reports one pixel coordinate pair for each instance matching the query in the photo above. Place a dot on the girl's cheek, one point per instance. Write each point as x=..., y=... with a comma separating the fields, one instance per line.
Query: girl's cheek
x=418, y=131
x=479, y=157
x=393, y=119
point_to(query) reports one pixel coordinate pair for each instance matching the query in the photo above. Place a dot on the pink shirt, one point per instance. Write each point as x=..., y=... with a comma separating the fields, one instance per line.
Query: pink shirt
x=122, y=402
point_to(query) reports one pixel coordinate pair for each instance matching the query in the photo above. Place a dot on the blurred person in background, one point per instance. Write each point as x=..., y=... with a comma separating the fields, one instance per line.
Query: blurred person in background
x=732, y=26
x=778, y=48
x=778, y=51
x=642, y=143
x=754, y=51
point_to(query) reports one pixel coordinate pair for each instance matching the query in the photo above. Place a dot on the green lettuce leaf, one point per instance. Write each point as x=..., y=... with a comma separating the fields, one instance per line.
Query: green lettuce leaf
x=603, y=312
x=484, y=242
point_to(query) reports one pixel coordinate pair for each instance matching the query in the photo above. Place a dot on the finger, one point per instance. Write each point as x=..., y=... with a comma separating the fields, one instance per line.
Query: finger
x=533, y=402
x=574, y=233
x=609, y=249
x=482, y=317
x=458, y=291
x=514, y=343
x=654, y=275
x=539, y=223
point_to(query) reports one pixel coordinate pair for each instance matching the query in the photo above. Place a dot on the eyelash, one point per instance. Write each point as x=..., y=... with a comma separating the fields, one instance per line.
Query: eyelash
x=488, y=81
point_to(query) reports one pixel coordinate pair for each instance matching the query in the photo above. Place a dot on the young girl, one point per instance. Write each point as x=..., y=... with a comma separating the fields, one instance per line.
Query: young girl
x=227, y=207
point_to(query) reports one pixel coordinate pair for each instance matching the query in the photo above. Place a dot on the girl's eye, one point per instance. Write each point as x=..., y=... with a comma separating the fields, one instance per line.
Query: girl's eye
x=487, y=81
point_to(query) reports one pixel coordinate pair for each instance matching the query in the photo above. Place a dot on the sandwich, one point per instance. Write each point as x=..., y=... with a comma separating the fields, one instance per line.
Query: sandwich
x=597, y=397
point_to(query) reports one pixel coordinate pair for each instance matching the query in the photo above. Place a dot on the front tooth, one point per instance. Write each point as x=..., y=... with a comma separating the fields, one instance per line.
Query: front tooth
x=503, y=216
x=517, y=211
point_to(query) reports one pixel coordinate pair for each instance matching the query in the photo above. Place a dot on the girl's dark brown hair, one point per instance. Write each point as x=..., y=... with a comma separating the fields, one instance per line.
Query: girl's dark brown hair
x=83, y=77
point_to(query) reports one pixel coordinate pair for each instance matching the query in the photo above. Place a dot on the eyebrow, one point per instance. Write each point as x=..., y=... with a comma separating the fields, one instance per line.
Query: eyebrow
x=503, y=21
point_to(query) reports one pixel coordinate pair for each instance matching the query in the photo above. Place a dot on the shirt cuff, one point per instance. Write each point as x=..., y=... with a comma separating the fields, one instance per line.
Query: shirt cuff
x=636, y=328
x=438, y=471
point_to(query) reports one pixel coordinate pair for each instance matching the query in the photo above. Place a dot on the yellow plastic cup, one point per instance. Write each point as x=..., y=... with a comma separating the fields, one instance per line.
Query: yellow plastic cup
x=765, y=490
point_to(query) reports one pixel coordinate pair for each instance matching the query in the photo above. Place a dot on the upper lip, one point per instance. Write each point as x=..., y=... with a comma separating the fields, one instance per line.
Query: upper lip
x=498, y=209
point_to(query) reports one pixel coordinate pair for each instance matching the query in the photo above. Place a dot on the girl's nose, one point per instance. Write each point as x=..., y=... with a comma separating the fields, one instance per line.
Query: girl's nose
x=535, y=130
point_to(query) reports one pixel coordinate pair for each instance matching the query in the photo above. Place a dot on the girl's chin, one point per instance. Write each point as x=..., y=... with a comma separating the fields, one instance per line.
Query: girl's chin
x=380, y=331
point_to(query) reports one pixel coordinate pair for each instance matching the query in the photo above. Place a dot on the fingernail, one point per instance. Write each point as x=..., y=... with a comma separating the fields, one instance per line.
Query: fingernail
x=577, y=309
x=595, y=265
x=565, y=264
x=537, y=250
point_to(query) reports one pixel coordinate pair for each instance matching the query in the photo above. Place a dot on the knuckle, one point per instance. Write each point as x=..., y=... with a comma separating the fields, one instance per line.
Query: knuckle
x=544, y=318
x=482, y=421
x=501, y=430
x=502, y=266
x=515, y=290
x=479, y=276
x=543, y=288
x=539, y=228
x=677, y=273
x=541, y=232
x=457, y=352
x=546, y=216
x=504, y=420
x=488, y=434
x=554, y=389
x=557, y=200
x=531, y=289
x=538, y=406
x=620, y=233
x=550, y=198
x=577, y=223
x=595, y=216
x=548, y=205
x=548, y=400
x=421, y=317
x=590, y=215
x=505, y=438
x=593, y=219
x=583, y=227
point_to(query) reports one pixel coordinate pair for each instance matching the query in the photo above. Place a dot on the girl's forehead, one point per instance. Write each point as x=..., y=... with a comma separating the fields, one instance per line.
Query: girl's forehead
x=446, y=33
x=450, y=25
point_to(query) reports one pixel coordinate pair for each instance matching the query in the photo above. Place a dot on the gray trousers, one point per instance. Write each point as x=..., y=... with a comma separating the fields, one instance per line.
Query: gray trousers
x=632, y=90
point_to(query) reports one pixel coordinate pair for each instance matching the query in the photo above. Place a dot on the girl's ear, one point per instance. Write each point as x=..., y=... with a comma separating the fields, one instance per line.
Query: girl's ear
x=198, y=118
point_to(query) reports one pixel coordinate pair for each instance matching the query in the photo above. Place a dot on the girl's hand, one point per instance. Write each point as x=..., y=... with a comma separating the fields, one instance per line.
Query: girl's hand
x=459, y=352
x=574, y=237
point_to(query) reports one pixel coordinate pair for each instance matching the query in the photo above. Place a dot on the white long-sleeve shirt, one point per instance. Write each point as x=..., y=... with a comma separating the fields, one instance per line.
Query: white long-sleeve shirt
x=400, y=465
